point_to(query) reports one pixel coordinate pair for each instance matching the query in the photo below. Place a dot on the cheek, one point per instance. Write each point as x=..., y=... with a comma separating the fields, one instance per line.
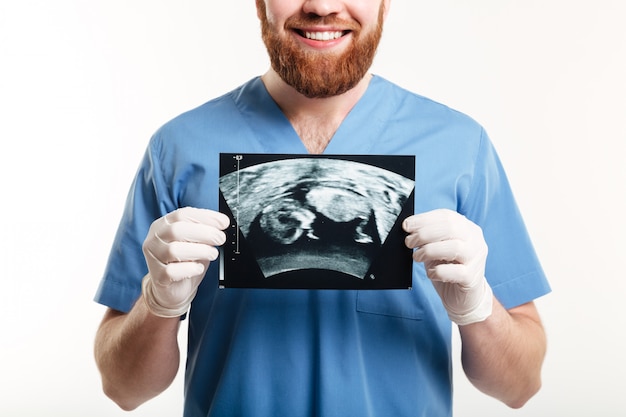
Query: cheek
x=278, y=11
x=367, y=13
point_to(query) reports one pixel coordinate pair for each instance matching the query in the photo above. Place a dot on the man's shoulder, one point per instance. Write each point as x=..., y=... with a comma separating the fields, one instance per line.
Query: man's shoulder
x=219, y=113
x=220, y=106
x=412, y=107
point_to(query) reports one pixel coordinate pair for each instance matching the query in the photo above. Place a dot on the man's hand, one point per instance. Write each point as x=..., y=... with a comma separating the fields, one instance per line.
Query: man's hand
x=178, y=250
x=454, y=253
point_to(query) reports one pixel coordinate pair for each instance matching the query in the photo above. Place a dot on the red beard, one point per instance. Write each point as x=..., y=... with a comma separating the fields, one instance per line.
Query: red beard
x=318, y=74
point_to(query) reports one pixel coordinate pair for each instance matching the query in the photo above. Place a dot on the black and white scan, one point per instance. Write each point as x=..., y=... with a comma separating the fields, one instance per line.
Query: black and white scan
x=316, y=221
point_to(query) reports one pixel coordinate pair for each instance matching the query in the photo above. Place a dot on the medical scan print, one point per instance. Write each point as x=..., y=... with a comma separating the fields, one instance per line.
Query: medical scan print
x=316, y=221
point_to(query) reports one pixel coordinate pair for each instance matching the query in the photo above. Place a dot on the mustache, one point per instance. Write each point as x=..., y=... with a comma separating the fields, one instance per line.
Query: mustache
x=307, y=20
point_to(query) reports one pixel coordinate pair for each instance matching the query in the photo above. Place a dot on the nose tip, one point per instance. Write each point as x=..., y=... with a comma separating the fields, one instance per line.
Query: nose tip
x=322, y=7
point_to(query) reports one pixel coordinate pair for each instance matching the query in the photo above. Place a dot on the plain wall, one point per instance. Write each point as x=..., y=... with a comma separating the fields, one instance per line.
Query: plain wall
x=83, y=85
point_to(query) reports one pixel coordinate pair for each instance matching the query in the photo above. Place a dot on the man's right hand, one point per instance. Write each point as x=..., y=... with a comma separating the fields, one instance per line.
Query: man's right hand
x=178, y=250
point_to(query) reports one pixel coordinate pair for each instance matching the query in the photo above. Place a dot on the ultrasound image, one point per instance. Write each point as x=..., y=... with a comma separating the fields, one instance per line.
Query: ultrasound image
x=315, y=213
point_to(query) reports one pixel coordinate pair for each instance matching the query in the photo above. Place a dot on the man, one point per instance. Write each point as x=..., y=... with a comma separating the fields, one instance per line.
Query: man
x=255, y=352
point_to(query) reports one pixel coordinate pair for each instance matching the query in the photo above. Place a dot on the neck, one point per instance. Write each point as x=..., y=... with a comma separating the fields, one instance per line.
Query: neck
x=314, y=119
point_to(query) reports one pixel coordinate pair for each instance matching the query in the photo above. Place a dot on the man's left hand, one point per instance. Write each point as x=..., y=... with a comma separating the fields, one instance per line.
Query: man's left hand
x=454, y=254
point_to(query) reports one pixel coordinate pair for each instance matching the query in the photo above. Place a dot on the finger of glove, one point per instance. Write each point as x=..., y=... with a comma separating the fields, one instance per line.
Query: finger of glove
x=434, y=226
x=465, y=275
x=454, y=273
x=199, y=215
x=184, y=231
x=447, y=251
x=163, y=274
x=170, y=252
x=179, y=271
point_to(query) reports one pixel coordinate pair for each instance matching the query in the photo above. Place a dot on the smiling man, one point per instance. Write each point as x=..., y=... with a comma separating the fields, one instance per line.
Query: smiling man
x=261, y=352
x=321, y=56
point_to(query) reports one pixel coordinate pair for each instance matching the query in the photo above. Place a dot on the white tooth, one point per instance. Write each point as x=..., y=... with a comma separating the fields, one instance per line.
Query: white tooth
x=322, y=36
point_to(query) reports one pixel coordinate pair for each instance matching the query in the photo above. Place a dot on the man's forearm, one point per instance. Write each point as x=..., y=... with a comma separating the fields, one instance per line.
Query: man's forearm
x=502, y=356
x=137, y=355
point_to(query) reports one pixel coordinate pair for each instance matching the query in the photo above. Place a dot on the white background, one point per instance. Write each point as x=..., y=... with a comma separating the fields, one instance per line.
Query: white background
x=83, y=84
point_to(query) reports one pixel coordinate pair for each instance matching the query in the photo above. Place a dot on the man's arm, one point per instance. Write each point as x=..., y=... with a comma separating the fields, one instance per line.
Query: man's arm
x=502, y=351
x=137, y=354
x=502, y=355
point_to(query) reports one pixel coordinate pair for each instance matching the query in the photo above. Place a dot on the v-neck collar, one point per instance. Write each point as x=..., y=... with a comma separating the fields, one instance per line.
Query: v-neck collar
x=360, y=131
x=276, y=134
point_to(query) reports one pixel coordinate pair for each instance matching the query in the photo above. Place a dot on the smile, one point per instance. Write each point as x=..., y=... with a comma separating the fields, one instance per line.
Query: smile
x=323, y=36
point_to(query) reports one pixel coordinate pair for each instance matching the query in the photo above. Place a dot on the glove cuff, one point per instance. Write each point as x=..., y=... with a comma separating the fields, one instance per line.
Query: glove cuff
x=480, y=312
x=156, y=308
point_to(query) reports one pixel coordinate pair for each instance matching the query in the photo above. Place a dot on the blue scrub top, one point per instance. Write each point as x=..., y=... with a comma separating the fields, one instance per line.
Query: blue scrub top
x=324, y=352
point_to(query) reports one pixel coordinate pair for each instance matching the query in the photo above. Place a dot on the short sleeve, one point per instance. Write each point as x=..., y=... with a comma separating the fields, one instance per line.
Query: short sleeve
x=513, y=268
x=147, y=200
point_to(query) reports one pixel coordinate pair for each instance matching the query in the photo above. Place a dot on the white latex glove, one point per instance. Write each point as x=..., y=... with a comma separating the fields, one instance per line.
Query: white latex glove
x=178, y=250
x=454, y=254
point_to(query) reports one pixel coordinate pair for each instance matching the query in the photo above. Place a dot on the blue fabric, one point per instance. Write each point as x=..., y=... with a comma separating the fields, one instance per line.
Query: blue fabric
x=324, y=353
